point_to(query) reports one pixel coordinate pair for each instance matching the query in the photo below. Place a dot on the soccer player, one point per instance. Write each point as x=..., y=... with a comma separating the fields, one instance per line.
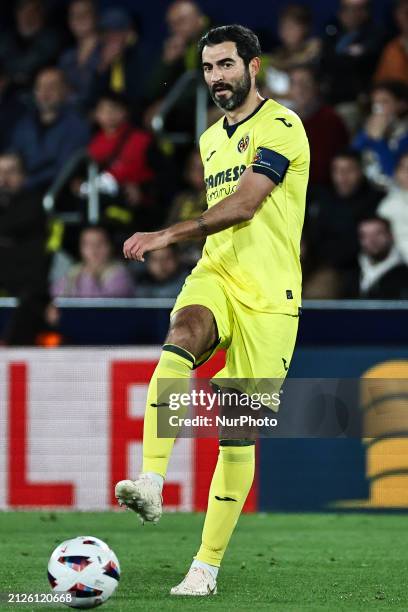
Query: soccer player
x=245, y=292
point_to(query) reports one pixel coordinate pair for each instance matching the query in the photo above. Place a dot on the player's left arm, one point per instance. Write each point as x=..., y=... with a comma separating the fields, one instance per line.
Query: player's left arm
x=239, y=207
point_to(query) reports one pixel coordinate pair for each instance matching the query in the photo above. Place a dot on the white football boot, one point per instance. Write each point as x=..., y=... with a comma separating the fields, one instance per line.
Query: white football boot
x=198, y=583
x=143, y=496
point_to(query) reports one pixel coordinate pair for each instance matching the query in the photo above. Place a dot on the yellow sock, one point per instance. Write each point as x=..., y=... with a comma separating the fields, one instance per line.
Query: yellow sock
x=172, y=374
x=230, y=486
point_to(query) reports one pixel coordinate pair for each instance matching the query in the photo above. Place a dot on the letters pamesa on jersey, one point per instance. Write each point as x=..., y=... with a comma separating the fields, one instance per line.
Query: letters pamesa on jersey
x=224, y=176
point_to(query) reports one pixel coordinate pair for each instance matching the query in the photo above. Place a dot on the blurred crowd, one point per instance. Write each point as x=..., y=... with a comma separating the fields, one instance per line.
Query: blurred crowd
x=76, y=90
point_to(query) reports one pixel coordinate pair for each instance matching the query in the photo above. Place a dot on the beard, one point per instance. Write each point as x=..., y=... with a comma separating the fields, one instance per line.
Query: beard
x=240, y=90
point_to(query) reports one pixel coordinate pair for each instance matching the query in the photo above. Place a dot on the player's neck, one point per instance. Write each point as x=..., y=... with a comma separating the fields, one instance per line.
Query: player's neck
x=238, y=114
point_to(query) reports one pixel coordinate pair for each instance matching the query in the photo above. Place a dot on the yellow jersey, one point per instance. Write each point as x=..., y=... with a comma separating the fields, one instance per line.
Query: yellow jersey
x=259, y=261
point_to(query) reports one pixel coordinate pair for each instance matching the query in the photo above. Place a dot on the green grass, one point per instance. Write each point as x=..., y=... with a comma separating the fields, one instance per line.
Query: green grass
x=279, y=562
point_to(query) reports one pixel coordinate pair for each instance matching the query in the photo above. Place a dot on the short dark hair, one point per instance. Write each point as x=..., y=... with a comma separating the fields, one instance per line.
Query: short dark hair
x=376, y=219
x=23, y=3
x=298, y=13
x=90, y=2
x=349, y=154
x=97, y=227
x=51, y=68
x=245, y=39
x=173, y=247
x=311, y=69
x=398, y=89
x=114, y=97
x=368, y=4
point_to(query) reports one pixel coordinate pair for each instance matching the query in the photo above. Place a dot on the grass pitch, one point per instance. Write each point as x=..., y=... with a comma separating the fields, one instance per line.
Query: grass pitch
x=279, y=562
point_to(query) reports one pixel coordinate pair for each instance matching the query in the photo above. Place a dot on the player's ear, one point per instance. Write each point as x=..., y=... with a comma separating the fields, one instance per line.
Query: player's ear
x=254, y=66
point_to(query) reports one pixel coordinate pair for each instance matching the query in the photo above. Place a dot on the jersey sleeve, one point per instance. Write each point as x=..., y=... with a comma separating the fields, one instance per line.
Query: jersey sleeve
x=278, y=143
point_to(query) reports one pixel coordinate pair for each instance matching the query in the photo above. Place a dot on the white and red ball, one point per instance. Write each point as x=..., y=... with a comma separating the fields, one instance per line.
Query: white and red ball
x=86, y=569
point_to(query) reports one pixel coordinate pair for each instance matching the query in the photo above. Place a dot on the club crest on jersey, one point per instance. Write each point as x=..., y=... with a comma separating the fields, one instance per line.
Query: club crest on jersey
x=258, y=156
x=243, y=144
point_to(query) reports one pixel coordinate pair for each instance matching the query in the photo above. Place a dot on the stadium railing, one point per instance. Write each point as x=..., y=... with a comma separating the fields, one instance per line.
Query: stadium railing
x=152, y=302
x=173, y=96
x=133, y=321
x=61, y=180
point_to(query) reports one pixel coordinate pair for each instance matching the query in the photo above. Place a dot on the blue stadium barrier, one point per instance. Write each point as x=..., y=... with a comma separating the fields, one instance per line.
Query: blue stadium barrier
x=336, y=340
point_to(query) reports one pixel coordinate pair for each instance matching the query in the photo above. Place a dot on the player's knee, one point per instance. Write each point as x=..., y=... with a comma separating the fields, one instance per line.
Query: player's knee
x=194, y=329
x=186, y=335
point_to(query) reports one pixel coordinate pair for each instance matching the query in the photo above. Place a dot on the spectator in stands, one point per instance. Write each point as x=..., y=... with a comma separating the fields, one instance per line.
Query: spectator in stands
x=330, y=232
x=48, y=135
x=186, y=23
x=79, y=64
x=135, y=182
x=297, y=48
x=24, y=262
x=31, y=45
x=190, y=203
x=125, y=180
x=119, y=66
x=98, y=274
x=11, y=108
x=394, y=207
x=333, y=213
x=351, y=47
x=394, y=59
x=385, y=135
x=119, y=148
x=164, y=274
x=324, y=127
x=382, y=272
x=349, y=187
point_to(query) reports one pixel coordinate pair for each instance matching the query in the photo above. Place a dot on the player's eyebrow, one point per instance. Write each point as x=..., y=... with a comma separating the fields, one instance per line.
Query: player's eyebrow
x=219, y=62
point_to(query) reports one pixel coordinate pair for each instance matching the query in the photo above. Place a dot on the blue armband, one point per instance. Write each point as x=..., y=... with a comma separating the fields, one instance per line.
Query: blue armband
x=272, y=164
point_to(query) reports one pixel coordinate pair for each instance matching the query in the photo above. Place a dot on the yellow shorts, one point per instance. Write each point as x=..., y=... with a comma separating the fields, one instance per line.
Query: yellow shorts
x=259, y=345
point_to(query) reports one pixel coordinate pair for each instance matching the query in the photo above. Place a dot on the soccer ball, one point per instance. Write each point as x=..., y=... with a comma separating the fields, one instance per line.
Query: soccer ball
x=84, y=572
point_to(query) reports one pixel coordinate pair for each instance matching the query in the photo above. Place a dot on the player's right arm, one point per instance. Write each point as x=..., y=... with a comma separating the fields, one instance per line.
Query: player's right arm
x=237, y=208
x=277, y=149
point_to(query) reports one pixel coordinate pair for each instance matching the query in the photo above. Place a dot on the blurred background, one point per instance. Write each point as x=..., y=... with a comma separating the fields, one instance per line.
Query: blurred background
x=101, y=107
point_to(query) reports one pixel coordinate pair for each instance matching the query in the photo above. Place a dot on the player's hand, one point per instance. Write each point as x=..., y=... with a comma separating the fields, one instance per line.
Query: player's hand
x=142, y=242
